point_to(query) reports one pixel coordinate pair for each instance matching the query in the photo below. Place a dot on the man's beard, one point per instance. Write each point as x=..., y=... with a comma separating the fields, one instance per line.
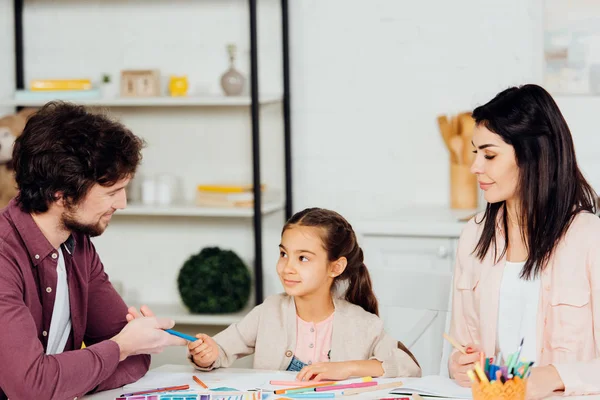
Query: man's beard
x=71, y=224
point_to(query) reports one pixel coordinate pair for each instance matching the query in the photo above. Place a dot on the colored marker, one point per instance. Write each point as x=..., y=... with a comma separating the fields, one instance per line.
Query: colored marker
x=181, y=335
x=164, y=389
x=199, y=382
x=300, y=383
x=348, y=386
x=301, y=389
x=472, y=376
x=482, y=377
x=312, y=395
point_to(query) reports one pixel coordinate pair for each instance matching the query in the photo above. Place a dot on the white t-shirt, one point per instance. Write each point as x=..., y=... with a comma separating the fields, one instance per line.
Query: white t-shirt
x=517, y=312
x=60, y=325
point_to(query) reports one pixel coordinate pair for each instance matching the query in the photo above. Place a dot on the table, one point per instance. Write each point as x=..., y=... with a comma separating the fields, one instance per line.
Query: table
x=112, y=394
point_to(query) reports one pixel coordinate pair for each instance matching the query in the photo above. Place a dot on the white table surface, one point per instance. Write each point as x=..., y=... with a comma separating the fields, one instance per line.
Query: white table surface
x=112, y=394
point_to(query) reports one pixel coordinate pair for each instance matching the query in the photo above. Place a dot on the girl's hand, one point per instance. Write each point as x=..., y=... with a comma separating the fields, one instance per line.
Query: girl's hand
x=461, y=363
x=542, y=382
x=204, y=351
x=326, y=371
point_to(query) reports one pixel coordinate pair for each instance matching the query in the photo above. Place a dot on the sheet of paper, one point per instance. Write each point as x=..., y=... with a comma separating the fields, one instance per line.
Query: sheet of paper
x=213, y=379
x=433, y=385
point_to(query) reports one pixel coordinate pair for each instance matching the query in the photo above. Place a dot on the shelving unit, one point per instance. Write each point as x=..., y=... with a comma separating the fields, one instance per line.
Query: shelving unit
x=163, y=101
x=185, y=210
x=253, y=102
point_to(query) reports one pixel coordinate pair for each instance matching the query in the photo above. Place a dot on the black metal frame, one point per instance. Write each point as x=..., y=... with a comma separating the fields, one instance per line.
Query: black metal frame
x=254, y=112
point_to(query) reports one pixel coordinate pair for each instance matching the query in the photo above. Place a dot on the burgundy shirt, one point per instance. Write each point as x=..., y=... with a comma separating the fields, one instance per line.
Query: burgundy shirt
x=28, y=280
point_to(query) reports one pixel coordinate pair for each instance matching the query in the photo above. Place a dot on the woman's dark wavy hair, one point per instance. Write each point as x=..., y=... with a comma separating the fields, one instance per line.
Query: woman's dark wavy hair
x=339, y=240
x=65, y=148
x=551, y=188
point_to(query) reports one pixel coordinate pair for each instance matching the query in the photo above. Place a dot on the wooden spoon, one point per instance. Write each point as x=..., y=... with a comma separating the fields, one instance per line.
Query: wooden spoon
x=456, y=148
x=467, y=124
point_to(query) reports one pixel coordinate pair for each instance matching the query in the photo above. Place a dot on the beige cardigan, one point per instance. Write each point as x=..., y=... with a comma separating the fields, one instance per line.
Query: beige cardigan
x=269, y=331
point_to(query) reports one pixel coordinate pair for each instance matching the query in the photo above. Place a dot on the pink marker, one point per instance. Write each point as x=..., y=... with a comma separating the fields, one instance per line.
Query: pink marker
x=347, y=386
x=299, y=383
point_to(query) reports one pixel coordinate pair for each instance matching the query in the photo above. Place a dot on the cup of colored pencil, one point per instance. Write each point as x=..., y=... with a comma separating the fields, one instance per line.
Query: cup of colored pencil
x=500, y=380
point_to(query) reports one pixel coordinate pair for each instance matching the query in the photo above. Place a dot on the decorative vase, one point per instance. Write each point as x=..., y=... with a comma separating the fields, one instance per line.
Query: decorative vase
x=232, y=81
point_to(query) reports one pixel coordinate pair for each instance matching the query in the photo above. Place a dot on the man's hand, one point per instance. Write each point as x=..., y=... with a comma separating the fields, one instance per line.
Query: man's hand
x=132, y=313
x=146, y=335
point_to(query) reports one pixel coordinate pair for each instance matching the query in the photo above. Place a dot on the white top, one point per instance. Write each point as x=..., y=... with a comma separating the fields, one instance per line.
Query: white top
x=60, y=325
x=517, y=312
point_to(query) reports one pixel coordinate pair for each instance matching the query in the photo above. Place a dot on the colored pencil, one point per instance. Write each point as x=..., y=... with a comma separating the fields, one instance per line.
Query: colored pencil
x=199, y=382
x=454, y=343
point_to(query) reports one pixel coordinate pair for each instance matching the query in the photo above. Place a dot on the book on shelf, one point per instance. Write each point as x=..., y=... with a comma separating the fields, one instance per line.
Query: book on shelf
x=240, y=199
x=228, y=188
x=47, y=95
x=60, y=84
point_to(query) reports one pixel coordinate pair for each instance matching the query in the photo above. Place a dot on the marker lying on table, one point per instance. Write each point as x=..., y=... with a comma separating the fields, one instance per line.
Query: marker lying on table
x=299, y=383
x=164, y=389
x=348, y=386
x=181, y=335
x=381, y=386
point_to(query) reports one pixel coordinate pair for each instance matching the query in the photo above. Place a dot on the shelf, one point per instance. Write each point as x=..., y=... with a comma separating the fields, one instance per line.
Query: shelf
x=181, y=315
x=195, y=211
x=164, y=101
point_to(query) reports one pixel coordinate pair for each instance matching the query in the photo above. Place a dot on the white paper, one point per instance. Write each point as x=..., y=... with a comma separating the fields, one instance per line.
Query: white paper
x=213, y=379
x=433, y=385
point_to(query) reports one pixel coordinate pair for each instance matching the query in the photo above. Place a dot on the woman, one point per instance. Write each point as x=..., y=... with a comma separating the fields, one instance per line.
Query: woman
x=529, y=266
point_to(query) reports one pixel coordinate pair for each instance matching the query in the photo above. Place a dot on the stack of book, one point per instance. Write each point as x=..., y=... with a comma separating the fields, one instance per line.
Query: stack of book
x=58, y=89
x=227, y=195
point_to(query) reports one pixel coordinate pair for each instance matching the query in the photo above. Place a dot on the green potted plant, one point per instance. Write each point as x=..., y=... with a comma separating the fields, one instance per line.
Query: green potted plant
x=214, y=281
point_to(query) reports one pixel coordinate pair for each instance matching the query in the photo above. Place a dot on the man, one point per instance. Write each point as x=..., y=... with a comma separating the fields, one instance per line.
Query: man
x=71, y=169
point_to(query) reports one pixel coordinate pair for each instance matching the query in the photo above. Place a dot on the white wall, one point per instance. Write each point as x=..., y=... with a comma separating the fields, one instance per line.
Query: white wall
x=369, y=78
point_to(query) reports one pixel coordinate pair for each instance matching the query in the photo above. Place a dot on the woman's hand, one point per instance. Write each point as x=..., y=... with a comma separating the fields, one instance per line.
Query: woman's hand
x=542, y=382
x=461, y=363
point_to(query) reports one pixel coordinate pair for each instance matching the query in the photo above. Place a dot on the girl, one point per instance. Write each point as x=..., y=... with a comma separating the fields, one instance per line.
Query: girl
x=529, y=266
x=308, y=329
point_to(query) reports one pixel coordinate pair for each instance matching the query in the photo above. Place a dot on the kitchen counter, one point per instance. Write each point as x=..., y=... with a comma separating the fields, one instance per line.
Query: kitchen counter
x=418, y=221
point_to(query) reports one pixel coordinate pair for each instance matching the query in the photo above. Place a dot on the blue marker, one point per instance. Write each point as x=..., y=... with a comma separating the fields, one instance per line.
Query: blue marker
x=181, y=335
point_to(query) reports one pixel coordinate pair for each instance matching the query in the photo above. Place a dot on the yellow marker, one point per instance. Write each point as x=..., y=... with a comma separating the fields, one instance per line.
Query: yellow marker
x=472, y=376
x=481, y=374
x=366, y=378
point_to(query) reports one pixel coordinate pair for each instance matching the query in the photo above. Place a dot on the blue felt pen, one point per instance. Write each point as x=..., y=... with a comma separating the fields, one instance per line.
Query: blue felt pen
x=181, y=335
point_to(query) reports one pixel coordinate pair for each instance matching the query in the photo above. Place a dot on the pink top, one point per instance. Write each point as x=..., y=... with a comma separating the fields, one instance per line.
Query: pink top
x=313, y=341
